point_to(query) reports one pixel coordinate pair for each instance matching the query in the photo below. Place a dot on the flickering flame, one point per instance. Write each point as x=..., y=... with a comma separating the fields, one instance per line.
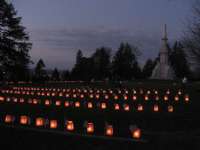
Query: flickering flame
x=140, y=107
x=90, y=105
x=109, y=130
x=77, y=104
x=116, y=106
x=136, y=133
x=170, y=108
x=24, y=120
x=90, y=127
x=39, y=122
x=156, y=108
x=53, y=124
x=70, y=125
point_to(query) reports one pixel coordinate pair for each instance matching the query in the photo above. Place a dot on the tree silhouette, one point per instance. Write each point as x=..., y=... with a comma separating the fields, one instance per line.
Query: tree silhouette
x=14, y=44
x=55, y=75
x=125, y=63
x=101, y=63
x=79, y=56
x=191, y=40
x=148, y=68
x=40, y=72
x=179, y=61
x=66, y=76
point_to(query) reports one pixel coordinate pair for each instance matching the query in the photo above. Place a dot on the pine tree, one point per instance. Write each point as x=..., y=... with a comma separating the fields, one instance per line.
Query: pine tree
x=40, y=72
x=55, y=75
x=148, y=69
x=14, y=43
x=124, y=62
x=179, y=61
x=101, y=63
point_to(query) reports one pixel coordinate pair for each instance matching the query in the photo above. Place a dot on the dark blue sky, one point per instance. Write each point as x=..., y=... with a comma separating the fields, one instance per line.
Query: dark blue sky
x=58, y=28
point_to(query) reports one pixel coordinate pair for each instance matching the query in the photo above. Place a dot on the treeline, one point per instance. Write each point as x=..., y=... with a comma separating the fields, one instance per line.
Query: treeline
x=101, y=65
x=123, y=65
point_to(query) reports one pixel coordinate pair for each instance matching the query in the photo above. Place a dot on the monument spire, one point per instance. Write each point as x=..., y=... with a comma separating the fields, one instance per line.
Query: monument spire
x=163, y=70
x=165, y=33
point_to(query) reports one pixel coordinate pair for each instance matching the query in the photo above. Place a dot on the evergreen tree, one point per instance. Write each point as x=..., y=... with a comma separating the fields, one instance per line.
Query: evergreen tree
x=77, y=69
x=66, y=75
x=14, y=44
x=40, y=72
x=101, y=63
x=55, y=75
x=124, y=62
x=179, y=61
x=148, y=69
x=79, y=56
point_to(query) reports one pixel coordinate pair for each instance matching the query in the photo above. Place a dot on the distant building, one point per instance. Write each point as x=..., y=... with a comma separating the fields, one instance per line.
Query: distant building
x=163, y=70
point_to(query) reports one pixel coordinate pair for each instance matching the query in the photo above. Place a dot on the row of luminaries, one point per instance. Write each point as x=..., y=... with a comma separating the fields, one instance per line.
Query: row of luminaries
x=69, y=125
x=60, y=91
x=88, y=105
x=96, y=95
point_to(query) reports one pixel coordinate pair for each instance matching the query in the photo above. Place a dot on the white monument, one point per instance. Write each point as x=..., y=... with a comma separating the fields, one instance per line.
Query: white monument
x=163, y=70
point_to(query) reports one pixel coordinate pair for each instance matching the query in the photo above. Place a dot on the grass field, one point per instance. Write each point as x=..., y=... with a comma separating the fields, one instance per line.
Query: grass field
x=179, y=129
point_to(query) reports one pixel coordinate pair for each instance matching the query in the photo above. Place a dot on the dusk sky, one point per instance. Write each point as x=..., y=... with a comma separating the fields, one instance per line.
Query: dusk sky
x=58, y=28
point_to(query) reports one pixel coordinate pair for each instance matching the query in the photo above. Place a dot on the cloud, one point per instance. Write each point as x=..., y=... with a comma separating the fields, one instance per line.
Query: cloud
x=59, y=46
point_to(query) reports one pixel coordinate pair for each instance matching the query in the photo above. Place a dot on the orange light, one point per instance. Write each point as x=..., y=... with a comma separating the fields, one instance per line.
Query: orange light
x=146, y=98
x=82, y=96
x=77, y=104
x=156, y=92
x=109, y=130
x=115, y=97
x=15, y=100
x=35, y=101
x=66, y=104
x=116, y=106
x=134, y=97
x=90, y=127
x=58, y=103
x=125, y=97
x=187, y=98
x=69, y=125
x=176, y=98
x=126, y=107
x=179, y=92
x=61, y=94
x=90, y=105
x=106, y=96
x=21, y=100
x=74, y=95
x=136, y=134
x=97, y=96
x=47, y=102
x=140, y=107
x=53, y=124
x=91, y=96
x=170, y=108
x=24, y=120
x=103, y=105
x=2, y=98
x=39, y=122
x=155, y=108
x=166, y=98
x=9, y=119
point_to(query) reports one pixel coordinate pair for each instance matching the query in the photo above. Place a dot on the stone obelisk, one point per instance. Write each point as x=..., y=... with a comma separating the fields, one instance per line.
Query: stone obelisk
x=163, y=70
